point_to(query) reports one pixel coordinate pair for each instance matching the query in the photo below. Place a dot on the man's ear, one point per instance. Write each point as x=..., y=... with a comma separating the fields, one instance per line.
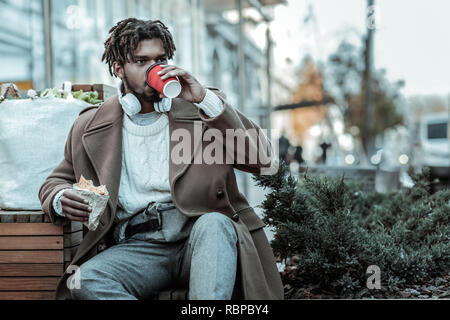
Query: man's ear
x=118, y=69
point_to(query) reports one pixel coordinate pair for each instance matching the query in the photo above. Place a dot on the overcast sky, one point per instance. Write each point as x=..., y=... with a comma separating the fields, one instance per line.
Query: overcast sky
x=412, y=43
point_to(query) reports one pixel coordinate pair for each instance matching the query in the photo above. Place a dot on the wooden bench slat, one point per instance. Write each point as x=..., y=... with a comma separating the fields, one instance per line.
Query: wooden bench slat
x=36, y=218
x=73, y=239
x=30, y=229
x=22, y=218
x=69, y=253
x=27, y=284
x=14, y=216
x=31, y=243
x=73, y=226
x=22, y=212
x=7, y=218
x=84, y=87
x=27, y=295
x=31, y=270
x=173, y=294
x=53, y=256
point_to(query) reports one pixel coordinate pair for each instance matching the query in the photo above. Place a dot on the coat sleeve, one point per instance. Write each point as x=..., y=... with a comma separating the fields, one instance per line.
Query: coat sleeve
x=257, y=154
x=62, y=177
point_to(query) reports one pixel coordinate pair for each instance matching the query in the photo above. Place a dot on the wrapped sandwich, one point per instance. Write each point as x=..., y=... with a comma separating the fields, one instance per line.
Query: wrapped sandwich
x=97, y=198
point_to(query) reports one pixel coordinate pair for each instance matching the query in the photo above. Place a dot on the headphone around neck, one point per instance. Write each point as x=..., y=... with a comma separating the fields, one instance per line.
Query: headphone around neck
x=131, y=105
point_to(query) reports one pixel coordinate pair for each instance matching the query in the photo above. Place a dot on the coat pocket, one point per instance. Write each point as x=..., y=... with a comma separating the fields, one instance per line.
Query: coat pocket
x=188, y=118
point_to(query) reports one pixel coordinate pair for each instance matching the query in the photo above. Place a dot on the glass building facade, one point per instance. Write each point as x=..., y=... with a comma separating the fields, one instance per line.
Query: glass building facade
x=44, y=43
x=78, y=31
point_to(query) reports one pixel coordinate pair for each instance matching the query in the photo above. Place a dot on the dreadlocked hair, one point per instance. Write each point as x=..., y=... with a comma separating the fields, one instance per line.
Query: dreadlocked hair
x=126, y=35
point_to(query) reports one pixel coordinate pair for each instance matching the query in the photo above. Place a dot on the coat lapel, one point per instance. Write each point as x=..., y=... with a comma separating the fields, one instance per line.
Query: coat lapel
x=184, y=115
x=102, y=141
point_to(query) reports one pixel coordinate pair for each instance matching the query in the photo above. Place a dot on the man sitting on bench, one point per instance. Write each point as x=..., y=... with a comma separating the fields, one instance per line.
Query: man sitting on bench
x=167, y=223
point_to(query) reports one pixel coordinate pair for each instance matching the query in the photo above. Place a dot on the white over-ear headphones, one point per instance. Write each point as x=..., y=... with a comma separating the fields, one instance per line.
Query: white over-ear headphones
x=131, y=105
x=164, y=105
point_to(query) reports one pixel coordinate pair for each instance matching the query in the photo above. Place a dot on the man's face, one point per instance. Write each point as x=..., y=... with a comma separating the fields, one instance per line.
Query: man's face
x=147, y=53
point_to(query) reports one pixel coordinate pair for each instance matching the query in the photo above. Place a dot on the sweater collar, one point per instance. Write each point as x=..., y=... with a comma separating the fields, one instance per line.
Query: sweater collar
x=154, y=128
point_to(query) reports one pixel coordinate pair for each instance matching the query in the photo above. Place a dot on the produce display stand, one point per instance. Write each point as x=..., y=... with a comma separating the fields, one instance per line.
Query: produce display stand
x=104, y=91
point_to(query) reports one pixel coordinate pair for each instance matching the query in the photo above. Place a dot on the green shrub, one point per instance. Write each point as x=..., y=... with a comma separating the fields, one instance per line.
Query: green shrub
x=335, y=231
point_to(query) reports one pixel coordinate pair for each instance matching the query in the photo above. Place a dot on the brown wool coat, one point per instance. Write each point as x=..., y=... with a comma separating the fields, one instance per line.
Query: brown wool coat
x=94, y=150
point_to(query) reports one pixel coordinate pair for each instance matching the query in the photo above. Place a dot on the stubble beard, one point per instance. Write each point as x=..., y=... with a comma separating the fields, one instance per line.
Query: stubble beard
x=154, y=97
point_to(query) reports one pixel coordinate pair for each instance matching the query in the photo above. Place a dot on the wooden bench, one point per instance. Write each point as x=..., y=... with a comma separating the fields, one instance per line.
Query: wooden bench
x=34, y=254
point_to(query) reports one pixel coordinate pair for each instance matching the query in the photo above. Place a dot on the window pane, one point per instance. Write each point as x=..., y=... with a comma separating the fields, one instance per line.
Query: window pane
x=437, y=131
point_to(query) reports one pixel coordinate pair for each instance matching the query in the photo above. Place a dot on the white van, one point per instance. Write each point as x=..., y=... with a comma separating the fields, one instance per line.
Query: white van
x=435, y=144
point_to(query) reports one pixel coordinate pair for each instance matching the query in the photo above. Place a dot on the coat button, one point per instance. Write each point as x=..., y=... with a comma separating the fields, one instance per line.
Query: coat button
x=235, y=217
x=220, y=194
x=101, y=247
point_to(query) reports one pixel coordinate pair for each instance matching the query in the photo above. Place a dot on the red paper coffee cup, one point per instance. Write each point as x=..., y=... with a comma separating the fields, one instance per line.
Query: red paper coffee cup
x=170, y=87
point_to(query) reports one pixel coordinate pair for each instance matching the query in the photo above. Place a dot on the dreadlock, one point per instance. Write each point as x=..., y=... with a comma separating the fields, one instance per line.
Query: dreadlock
x=126, y=35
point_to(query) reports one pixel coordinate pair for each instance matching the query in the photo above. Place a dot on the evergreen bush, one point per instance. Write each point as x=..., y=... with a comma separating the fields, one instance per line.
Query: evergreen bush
x=330, y=231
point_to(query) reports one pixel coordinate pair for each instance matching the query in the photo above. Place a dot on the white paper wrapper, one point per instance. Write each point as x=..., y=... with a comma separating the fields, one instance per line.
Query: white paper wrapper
x=98, y=204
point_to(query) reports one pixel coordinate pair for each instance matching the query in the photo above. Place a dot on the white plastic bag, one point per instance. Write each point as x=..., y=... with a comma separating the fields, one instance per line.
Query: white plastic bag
x=33, y=134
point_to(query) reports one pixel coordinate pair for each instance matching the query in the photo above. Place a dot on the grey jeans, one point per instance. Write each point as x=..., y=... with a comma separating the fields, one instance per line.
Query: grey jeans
x=205, y=262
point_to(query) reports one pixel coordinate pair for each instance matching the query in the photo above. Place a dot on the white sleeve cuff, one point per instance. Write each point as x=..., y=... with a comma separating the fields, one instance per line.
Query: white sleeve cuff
x=211, y=104
x=57, y=203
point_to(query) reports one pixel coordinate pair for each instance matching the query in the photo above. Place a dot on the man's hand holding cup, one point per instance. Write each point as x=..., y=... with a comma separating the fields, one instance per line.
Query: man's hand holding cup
x=172, y=81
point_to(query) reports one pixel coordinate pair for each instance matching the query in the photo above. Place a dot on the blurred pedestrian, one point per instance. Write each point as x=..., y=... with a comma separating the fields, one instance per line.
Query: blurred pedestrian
x=298, y=154
x=284, y=145
x=324, y=146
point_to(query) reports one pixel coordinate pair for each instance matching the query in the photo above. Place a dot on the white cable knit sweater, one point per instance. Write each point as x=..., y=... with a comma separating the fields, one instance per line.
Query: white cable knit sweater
x=145, y=162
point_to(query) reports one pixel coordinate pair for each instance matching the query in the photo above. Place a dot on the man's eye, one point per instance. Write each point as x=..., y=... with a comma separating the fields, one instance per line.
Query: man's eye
x=139, y=61
x=162, y=59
